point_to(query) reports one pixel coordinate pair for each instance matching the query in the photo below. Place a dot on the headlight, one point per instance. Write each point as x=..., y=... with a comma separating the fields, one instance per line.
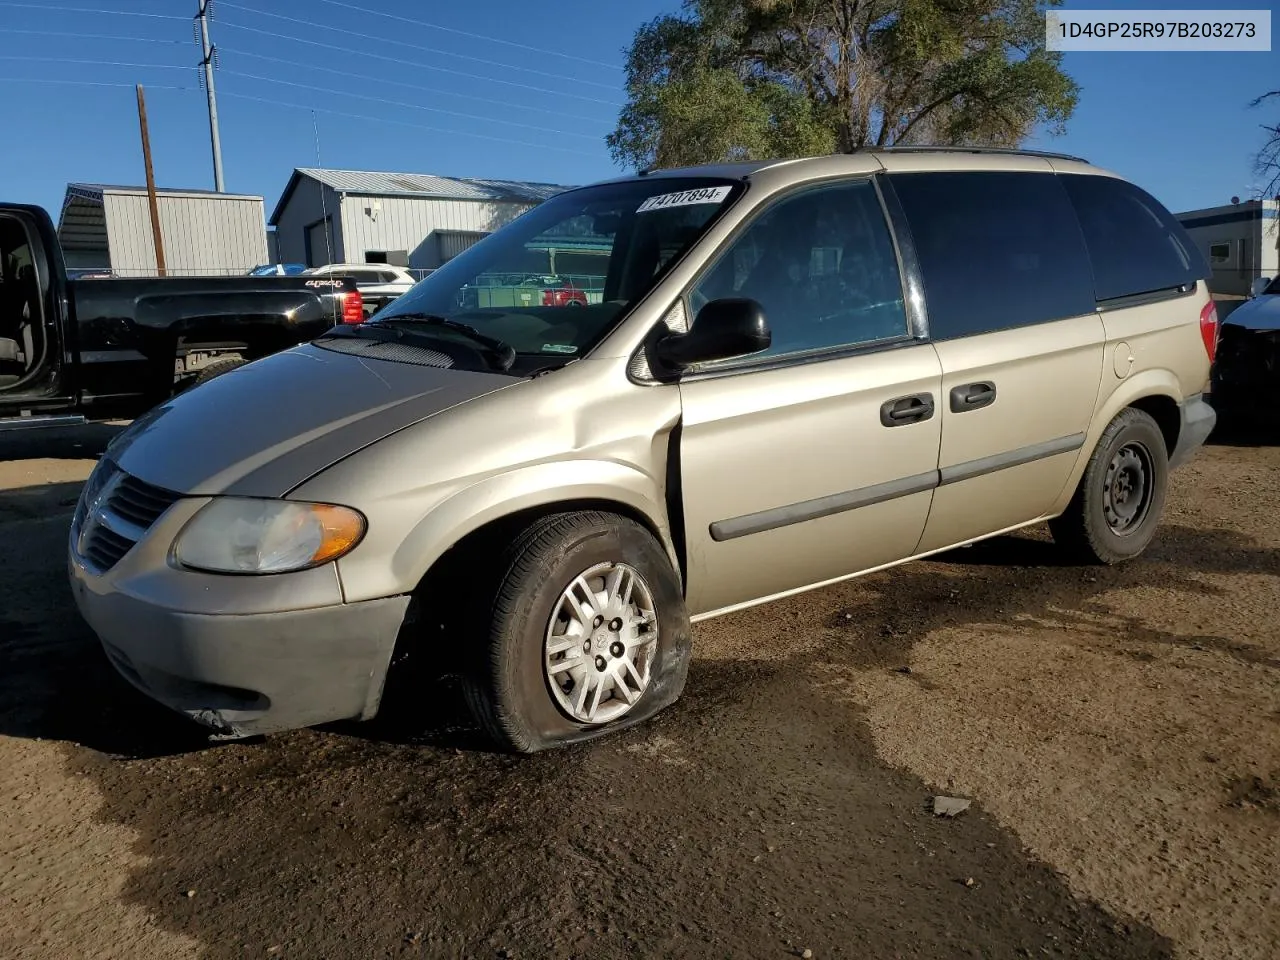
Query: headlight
x=241, y=535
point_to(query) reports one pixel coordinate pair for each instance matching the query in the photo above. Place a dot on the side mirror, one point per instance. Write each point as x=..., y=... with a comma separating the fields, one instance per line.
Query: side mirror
x=729, y=327
x=1259, y=284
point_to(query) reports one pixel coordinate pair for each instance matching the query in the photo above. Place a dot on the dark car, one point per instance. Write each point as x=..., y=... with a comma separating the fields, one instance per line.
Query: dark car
x=1246, y=375
x=74, y=349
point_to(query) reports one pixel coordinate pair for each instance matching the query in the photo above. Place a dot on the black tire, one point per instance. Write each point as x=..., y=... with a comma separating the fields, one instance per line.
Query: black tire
x=217, y=369
x=507, y=687
x=1117, y=506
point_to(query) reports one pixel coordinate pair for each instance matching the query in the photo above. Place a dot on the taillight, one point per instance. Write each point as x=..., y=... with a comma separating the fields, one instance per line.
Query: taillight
x=352, y=307
x=1209, y=329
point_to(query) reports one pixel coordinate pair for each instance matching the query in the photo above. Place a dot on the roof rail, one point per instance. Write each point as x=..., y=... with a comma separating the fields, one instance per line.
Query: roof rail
x=1008, y=151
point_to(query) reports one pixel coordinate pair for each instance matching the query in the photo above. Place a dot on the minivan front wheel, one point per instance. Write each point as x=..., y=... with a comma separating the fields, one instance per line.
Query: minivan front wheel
x=1117, y=506
x=588, y=633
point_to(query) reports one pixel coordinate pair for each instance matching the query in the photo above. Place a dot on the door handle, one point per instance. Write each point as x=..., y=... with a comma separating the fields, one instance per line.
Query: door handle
x=904, y=410
x=971, y=396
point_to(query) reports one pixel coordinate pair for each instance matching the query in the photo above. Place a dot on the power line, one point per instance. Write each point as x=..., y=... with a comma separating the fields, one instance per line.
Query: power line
x=405, y=123
x=98, y=63
x=400, y=83
x=90, y=83
x=415, y=46
x=312, y=66
x=123, y=13
x=401, y=103
x=300, y=106
x=89, y=36
x=474, y=36
x=413, y=63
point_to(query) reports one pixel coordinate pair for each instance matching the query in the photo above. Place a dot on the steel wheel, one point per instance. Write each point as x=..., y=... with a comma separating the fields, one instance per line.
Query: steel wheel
x=1126, y=495
x=600, y=643
x=1116, y=506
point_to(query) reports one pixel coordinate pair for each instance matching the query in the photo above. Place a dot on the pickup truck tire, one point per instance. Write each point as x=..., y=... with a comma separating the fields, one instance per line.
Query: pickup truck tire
x=217, y=369
x=587, y=633
x=1117, y=506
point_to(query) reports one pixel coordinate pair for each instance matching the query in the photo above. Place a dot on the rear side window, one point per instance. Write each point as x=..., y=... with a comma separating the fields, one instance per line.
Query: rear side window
x=1135, y=244
x=996, y=249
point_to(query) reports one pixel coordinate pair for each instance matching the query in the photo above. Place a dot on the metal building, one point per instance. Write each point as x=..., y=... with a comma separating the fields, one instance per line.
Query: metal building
x=1241, y=241
x=409, y=219
x=204, y=233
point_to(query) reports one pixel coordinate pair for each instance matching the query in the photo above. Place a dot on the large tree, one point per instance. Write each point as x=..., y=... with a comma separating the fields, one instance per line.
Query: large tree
x=745, y=79
x=1267, y=160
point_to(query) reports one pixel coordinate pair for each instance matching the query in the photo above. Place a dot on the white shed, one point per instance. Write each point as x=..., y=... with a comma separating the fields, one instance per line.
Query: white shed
x=1241, y=241
x=204, y=233
x=409, y=219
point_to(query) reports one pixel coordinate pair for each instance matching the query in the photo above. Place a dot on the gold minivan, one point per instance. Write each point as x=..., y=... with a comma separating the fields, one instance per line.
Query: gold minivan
x=778, y=375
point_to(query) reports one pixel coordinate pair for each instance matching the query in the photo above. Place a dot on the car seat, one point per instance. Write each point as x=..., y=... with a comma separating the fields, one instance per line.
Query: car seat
x=19, y=303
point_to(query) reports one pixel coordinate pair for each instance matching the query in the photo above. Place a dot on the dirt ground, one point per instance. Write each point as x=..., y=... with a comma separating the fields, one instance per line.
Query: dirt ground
x=1117, y=730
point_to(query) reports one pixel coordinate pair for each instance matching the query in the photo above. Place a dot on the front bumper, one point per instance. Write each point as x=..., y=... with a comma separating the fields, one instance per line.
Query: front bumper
x=241, y=655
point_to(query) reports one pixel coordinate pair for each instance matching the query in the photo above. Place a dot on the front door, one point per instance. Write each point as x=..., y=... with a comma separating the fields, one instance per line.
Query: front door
x=30, y=345
x=817, y=458
x=1011, y=310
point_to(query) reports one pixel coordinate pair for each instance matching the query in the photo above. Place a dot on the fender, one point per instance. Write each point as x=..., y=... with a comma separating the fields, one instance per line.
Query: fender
x=467, y=510
x=1157, y=382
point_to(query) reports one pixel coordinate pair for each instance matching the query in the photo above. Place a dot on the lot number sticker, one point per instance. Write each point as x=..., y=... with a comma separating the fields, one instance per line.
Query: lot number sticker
x=685, y=198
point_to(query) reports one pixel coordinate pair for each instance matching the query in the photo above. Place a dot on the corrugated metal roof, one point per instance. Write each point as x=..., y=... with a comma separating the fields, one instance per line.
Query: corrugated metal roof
x=94, y=192
x=430, y=185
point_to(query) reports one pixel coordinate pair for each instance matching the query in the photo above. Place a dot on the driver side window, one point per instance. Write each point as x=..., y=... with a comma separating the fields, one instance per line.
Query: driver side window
x=822, y=264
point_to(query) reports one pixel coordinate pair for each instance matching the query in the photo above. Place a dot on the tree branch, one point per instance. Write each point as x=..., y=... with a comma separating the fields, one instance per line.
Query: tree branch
x=928, y=109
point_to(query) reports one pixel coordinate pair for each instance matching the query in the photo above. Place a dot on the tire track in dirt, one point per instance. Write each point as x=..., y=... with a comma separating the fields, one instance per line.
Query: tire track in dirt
x=64, y=867
x=1124, y=722
x=751, y=820
x=782, y=804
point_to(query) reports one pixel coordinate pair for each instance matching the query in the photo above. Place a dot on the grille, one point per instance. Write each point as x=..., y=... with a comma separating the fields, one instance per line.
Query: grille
x=115, y=512
x=380, y=350
x=139, y=502
x=104, y=547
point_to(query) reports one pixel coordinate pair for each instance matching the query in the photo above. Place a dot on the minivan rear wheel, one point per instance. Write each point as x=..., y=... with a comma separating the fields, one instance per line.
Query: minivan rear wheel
x=1117, y=506
x=588, y=633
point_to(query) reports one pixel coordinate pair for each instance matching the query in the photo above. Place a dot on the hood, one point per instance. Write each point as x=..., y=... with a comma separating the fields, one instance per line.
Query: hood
x=262, y=429
x=1260, y=313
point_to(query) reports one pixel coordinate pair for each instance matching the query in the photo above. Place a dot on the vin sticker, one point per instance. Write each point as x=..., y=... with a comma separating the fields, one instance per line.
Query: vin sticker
x=685, y=198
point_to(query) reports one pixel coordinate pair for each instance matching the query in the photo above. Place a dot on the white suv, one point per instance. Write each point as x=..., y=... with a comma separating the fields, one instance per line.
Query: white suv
x=378, y=283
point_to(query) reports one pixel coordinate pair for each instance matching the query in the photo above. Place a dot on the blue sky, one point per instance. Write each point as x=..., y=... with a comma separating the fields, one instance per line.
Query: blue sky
x=502, y=103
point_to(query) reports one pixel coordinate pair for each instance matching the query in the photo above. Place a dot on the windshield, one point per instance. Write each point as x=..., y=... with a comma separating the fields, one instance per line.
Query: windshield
x=1273, y=286
x=552, y=283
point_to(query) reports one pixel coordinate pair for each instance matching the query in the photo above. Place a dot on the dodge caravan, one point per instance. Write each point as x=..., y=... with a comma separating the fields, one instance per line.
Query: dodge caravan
x=781, y=375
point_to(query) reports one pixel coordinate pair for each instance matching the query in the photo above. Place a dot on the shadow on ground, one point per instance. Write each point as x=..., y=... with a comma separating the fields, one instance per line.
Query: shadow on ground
x=751, y=819
x=60, y=443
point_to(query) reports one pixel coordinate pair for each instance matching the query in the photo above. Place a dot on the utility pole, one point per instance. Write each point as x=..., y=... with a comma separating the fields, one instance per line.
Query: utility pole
x=210, y=52
x=151, y=183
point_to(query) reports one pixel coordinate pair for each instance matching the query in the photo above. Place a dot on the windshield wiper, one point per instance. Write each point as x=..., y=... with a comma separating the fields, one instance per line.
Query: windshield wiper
x=501, y=352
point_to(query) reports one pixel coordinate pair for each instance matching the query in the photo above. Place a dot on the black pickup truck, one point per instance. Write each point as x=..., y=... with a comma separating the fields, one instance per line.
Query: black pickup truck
x=92, y=349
